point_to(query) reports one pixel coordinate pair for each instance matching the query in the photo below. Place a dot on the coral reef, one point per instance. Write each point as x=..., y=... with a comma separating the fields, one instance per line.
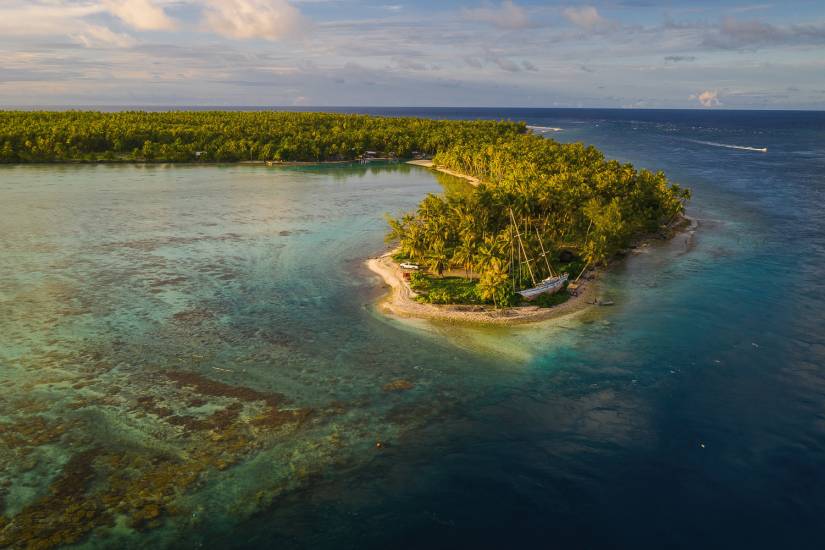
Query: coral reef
x=216, y=426
x=398, y=385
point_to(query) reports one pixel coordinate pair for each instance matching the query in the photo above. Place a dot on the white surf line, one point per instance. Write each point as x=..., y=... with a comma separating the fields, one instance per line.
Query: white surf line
x=728, y=146
x=544, y=129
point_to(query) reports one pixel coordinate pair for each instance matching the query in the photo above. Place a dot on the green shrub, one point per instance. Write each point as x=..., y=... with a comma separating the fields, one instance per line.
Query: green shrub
x=550, y=300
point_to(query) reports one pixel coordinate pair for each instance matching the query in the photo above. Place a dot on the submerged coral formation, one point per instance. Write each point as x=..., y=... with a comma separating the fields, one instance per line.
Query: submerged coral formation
x=101, y=486
x=158, y=368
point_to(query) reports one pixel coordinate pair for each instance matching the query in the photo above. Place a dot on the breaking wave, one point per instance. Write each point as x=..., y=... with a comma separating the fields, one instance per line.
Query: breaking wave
x=728, y=146
x=544, y=129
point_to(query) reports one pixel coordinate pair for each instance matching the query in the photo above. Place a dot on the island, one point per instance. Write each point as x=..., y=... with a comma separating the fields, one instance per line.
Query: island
x=538, y=219
x=542, y=219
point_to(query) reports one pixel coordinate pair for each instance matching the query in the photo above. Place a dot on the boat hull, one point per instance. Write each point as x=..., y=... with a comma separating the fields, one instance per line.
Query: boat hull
x=547, y=286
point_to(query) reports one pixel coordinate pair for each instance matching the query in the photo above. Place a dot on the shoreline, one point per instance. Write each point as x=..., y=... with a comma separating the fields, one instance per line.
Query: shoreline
x=268, y=163
x=475, y=182
x=400, y=302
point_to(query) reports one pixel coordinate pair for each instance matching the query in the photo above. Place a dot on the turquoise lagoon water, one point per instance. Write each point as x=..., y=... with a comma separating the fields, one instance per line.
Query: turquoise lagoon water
x=192, y=354
x=253, y=277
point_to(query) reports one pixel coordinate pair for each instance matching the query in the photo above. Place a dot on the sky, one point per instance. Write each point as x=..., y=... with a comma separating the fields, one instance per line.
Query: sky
x=513, y=53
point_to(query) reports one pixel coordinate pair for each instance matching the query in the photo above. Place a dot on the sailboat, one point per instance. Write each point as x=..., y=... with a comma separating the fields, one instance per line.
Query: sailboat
x=549, y=285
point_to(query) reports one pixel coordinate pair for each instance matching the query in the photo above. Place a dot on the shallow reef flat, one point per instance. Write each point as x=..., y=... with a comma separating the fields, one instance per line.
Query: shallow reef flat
x=183, y=361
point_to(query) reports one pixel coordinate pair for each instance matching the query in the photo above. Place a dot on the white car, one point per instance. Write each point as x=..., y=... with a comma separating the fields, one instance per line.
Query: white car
x=406, y=265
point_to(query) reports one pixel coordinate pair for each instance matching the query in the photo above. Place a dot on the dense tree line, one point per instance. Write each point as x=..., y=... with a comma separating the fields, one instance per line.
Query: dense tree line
x=563, y=200
x=221, y=136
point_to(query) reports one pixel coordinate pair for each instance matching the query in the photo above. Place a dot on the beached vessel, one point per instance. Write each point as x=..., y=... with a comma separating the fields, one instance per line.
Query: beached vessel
x=549, y=285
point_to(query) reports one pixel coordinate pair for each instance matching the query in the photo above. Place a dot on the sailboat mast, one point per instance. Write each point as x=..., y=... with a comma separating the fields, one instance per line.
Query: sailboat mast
x=544, y=253
x=582, y=272
x=512, y=256
x=522, y=249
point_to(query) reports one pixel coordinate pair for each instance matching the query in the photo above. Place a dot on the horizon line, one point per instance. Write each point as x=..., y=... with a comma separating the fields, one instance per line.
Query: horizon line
x=171, y=107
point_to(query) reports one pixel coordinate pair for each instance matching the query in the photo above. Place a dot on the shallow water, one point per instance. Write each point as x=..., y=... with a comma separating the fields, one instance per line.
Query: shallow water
x=688, y=414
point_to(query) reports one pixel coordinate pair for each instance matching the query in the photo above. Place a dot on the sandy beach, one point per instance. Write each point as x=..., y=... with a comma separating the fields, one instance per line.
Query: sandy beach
x=401, y=302
x=429, y=164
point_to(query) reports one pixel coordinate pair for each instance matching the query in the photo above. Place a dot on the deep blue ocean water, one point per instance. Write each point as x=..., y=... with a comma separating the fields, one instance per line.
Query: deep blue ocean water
x=689, y=415
x=692, y=417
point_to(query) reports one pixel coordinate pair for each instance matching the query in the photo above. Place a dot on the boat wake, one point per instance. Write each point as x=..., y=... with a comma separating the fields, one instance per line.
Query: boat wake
x=544, y=129
x=728, y=146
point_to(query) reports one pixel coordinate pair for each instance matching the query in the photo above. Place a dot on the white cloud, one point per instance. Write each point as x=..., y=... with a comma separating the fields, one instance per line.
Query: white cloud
x=267, y=19
x=506, y=16
x=735, y=34
x=92, y=36
x=399, y=56
x=65, y=18
x=707, y=98
x=140, y=14
x=242, y=19
x=586, y=17
x=36, y=19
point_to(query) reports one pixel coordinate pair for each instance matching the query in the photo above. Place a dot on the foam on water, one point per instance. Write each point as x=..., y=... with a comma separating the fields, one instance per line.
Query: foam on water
x=729, y=146
x=544, y=129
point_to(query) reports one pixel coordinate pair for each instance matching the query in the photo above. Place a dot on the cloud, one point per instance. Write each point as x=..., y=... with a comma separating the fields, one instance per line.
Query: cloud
x=94, y=36
x=242, y=19
x=679, y=58
x=117, y=57
x=35, y=19
x=80, y=20
x=474, y=62
x=506, y=16
x=503, y=63
x=266, y=19
x=140, y=14
x=587, y=17
x=707, y=98
x=506, y=64
x=410, y=64
x=736, y=34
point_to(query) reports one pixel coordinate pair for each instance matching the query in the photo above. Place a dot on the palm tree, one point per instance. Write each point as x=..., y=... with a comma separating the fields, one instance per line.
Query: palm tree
x=494, y=283
x=437, y=259
x=465, y=255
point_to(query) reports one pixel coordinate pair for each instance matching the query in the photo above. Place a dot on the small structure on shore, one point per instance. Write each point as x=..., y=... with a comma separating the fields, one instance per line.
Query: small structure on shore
x=368, y=156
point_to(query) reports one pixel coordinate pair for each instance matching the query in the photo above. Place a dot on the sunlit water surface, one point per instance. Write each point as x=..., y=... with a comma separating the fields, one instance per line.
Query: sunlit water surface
x=189, y=357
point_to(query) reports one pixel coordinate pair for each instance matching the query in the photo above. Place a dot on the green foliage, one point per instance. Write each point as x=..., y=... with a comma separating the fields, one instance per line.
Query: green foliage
x=419, y=281
x=445, y=290
x=564, y=197
x=494, y=284
x=550, y=300
x=219, y=136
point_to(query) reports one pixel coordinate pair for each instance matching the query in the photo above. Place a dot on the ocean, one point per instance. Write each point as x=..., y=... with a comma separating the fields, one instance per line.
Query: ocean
x=691, y=414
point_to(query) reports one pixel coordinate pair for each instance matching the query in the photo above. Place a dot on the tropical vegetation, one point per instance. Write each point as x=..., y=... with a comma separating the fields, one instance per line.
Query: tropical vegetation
x=221, y=136
x=541, y=204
